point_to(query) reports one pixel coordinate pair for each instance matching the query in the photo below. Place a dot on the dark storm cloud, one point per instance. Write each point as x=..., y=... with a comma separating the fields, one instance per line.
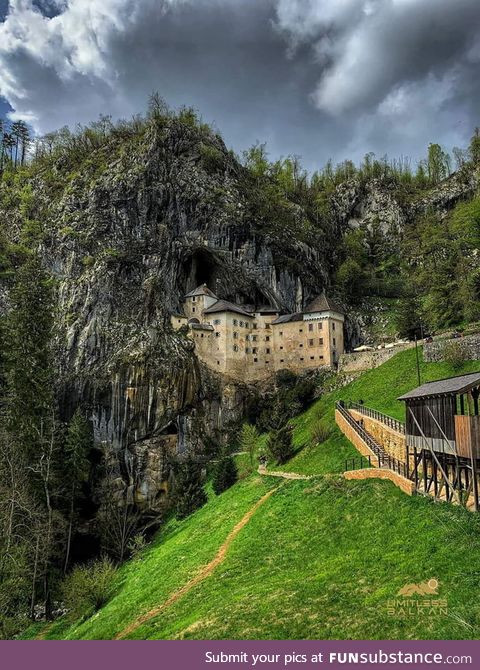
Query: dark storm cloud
x=317, y=78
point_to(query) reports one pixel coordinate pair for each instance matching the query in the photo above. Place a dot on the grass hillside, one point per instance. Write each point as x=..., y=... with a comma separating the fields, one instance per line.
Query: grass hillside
x=318, y=558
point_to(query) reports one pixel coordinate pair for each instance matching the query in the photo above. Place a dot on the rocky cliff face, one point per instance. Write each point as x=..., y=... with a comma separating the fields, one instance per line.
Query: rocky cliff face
x=129, y=234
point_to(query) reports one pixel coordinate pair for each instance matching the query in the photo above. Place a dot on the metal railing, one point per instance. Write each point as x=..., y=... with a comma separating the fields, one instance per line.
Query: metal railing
x=389, y=421
x=384, y=460
x=360, y=430
x=358, y=463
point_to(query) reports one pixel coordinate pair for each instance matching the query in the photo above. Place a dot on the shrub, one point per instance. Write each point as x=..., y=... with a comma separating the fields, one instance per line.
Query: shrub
x=225, y=474
x=279, y=444
x=88, y=587
x=320, y=432
x=454, y=353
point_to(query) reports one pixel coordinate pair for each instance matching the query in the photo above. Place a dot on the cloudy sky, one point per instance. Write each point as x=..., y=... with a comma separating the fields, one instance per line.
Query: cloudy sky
x=317, y=78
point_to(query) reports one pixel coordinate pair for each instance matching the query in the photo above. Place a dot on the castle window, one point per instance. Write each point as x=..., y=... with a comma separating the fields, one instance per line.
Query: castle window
x=281, y=347
x=267, y=326
x=312, y=358
x=240, y=323
x=235, y=347
x=267, y=351
x=217, y=334
x=254, y=350
x=310, y=342
x=193, y=309
x=333, y=326
x=255, y=360
x=321, y=358
x=247, y=350
x=218, y=362
x=301, y=330
x=320, y=341
x=334, y=342
x=235, y=335
x=300, y=345
x=254, y=325
x=267, y=339
x=302, y=359
x=217, y=322
x=282, y=360
x=254, y=338
x=320, y=326
x=310, y=327
x=201, y=335
x=281, y=333
x=247, y=337
x=267, y=362
x=193, y=299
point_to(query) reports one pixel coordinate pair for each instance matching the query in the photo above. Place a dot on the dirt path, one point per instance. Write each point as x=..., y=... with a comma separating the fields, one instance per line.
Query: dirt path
x=205, y=572
x=284, y=475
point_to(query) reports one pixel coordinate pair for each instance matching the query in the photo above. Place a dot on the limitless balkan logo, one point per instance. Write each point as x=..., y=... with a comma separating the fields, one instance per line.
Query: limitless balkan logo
x=417, y=600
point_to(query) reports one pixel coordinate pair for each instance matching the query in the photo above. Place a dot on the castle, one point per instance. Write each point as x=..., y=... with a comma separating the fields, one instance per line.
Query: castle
x=250, y=344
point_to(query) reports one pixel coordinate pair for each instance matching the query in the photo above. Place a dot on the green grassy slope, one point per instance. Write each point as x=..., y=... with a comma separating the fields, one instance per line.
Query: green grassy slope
x=319, y=559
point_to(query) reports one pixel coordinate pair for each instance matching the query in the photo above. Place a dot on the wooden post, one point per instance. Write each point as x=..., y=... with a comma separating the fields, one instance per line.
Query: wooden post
x=415, y=466
x=424, y=465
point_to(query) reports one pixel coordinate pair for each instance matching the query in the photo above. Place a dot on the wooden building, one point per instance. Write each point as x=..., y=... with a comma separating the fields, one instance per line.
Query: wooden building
x=443, y=437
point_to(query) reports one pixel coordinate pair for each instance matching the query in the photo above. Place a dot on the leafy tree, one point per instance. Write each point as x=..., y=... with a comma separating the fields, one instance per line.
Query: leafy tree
x=438, y=163
x=474, y=148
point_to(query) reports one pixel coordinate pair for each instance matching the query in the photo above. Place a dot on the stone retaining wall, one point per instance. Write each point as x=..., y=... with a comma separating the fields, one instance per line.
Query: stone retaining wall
x=469, y=346
x=366, y=360
x=353, y=436
x=393, y=442
x=402, y=483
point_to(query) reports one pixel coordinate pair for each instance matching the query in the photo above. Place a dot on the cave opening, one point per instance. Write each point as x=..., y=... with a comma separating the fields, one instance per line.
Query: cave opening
x=202, y=268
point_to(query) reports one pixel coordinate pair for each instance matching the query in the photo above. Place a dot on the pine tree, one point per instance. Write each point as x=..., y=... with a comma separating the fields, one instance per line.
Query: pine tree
x=189, y=493
x=78, y=444
x=225, y=474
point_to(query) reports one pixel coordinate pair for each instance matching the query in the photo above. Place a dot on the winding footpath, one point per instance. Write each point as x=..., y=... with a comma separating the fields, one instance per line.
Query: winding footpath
x=205, y=572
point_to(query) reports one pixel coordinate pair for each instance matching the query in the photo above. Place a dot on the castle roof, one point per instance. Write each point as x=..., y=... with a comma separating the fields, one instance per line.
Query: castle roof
x=201, y=290
x=286, y=318
x=225, y=306
x=323, y=304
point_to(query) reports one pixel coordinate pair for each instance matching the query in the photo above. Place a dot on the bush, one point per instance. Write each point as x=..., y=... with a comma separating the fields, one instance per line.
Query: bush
x=88, y=587
x=279, y=444
x=225, y=474
x=454, y=353
x=320, y=432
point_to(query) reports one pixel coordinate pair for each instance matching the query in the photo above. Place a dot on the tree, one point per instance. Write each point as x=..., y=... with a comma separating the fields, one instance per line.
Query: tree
x=408, y=317
x=225, y=474
x=279, y=444
x=118, y=517
x=438, y=163
x=474, y=148
x=188, y=493
x=248, y=441
x=78, y=444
